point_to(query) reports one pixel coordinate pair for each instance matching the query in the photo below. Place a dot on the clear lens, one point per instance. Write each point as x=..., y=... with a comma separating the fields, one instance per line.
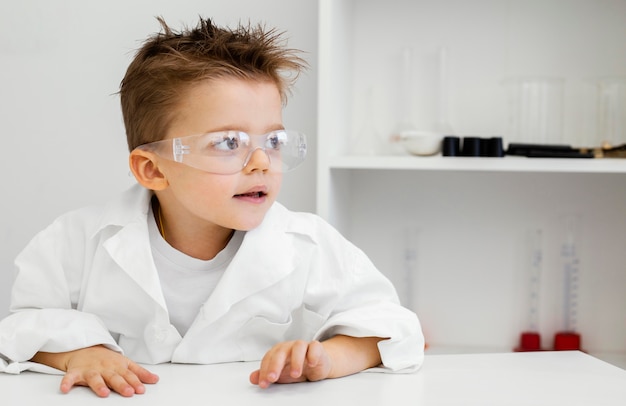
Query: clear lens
x=228, y=152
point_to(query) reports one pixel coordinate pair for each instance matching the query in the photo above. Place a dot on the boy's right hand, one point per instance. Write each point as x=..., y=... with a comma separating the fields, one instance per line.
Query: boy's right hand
x=99, y=368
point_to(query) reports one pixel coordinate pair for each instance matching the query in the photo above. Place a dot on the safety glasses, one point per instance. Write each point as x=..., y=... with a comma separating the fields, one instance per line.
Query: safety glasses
x=228, y=152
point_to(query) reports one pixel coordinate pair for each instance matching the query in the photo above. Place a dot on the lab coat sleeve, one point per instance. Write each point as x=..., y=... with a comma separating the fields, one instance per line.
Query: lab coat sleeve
x=365, y=303
x=44, y=299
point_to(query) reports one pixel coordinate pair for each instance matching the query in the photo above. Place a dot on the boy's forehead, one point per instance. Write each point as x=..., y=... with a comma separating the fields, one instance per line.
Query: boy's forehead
x=220, y=92
x=230, y=104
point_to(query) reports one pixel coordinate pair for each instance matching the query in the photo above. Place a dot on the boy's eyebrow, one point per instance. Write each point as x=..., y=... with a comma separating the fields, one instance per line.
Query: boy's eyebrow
x=267, y=129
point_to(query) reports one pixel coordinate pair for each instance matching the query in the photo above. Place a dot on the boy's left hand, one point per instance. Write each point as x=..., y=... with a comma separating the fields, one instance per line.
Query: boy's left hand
x=293, y=361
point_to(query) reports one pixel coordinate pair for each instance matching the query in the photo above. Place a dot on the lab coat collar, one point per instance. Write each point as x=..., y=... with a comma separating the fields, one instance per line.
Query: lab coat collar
x=266, y=256
x=129, y=245
x=131, y=206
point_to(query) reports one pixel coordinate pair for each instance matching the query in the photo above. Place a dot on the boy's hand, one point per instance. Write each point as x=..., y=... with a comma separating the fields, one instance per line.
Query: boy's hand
x=298, y=361
x=99, y=368
x=293, y=361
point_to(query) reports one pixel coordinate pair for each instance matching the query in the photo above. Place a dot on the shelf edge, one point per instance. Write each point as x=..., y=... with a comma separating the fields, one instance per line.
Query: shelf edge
x=506, y=164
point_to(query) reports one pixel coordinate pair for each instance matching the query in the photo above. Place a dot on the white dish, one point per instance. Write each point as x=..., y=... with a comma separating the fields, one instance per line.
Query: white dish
x=423, y=143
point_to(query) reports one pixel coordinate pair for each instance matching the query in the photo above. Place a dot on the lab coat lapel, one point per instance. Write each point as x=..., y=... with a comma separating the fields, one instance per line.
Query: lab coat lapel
x=130, y=249
x=129, y=246
x=265, y=257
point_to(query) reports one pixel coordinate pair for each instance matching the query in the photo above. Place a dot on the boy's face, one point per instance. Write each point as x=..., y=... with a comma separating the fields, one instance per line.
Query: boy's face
x=197, y=199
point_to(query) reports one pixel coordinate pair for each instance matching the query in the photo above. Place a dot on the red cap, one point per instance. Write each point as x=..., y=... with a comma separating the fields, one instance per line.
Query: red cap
x=529, y=341
x=566, y=341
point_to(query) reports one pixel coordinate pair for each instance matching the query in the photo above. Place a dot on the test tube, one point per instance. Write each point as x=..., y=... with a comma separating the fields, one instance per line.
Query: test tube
x=530, y=339
x=569, y=338
x=411, y=236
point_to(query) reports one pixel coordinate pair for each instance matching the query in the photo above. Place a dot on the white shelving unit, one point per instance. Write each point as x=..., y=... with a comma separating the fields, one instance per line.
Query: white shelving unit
x=450, y=232
x=508, y=164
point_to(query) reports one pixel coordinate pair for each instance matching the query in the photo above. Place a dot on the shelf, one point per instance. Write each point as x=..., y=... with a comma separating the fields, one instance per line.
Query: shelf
x=472, y=215
x=506, y=164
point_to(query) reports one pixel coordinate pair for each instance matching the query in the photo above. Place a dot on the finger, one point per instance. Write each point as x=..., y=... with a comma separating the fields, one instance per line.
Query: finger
x=118, y=383
x=134, y=381
x=68, y=382
x=254, y=377
x=94, y=380
x=318, y=362
x=143, y=374
x=272, y=365
x=298, y=355
x=314, y=354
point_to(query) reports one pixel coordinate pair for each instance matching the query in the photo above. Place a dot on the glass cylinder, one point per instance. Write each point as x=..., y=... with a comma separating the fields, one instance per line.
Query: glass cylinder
x=535, y=110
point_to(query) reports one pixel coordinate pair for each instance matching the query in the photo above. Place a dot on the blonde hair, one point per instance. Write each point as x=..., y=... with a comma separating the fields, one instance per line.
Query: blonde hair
x=169, y=62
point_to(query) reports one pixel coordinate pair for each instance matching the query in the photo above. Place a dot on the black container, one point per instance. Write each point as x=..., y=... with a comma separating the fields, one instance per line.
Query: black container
x=495, y=148
x=471, y=146
x=451, y=146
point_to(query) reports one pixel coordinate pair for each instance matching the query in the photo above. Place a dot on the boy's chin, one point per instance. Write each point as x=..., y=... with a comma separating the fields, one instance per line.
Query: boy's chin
x=248, y=224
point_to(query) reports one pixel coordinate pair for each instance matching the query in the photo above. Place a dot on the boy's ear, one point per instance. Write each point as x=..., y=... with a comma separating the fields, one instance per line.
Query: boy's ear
x=144, y=168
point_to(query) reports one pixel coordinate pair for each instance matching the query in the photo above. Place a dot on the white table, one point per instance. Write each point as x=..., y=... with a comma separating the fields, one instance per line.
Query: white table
x=542, y=378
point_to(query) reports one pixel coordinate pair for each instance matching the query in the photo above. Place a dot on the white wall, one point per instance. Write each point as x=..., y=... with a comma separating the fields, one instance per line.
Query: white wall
x=468, y=280
x=488, y=43
x=62, y=138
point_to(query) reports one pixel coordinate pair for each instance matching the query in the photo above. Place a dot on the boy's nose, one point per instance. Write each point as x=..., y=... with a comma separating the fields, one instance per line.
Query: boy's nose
x=257, y=160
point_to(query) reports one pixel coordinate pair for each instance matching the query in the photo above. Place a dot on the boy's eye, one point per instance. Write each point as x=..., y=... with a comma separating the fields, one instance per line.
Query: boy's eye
x=227, y=142
x=276, y=140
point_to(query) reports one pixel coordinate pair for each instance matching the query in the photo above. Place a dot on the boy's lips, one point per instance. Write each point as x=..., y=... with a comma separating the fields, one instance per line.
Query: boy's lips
x=254, y=193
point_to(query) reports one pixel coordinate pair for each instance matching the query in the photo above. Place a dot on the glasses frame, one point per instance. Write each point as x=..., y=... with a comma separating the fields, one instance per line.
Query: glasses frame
x=287, y=155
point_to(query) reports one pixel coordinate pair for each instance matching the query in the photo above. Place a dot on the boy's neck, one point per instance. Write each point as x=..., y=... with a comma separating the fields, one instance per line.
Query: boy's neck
x=199, y=244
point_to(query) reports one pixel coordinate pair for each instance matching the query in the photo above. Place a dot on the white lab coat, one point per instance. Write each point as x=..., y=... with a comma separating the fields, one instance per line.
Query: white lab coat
x=89, y=278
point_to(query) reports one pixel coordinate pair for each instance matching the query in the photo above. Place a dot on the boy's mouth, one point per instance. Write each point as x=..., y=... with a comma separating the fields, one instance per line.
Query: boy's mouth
x=252, y=194
x=257, y=192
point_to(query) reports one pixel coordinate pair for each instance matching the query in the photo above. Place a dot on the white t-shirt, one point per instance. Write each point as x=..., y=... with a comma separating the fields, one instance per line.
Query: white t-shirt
x=187, y=282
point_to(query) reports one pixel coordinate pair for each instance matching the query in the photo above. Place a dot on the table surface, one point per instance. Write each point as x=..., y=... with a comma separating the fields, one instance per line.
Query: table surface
x=540, y=378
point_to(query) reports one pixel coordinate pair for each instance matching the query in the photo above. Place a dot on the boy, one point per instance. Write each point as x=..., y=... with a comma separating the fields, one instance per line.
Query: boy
x=198, y=263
